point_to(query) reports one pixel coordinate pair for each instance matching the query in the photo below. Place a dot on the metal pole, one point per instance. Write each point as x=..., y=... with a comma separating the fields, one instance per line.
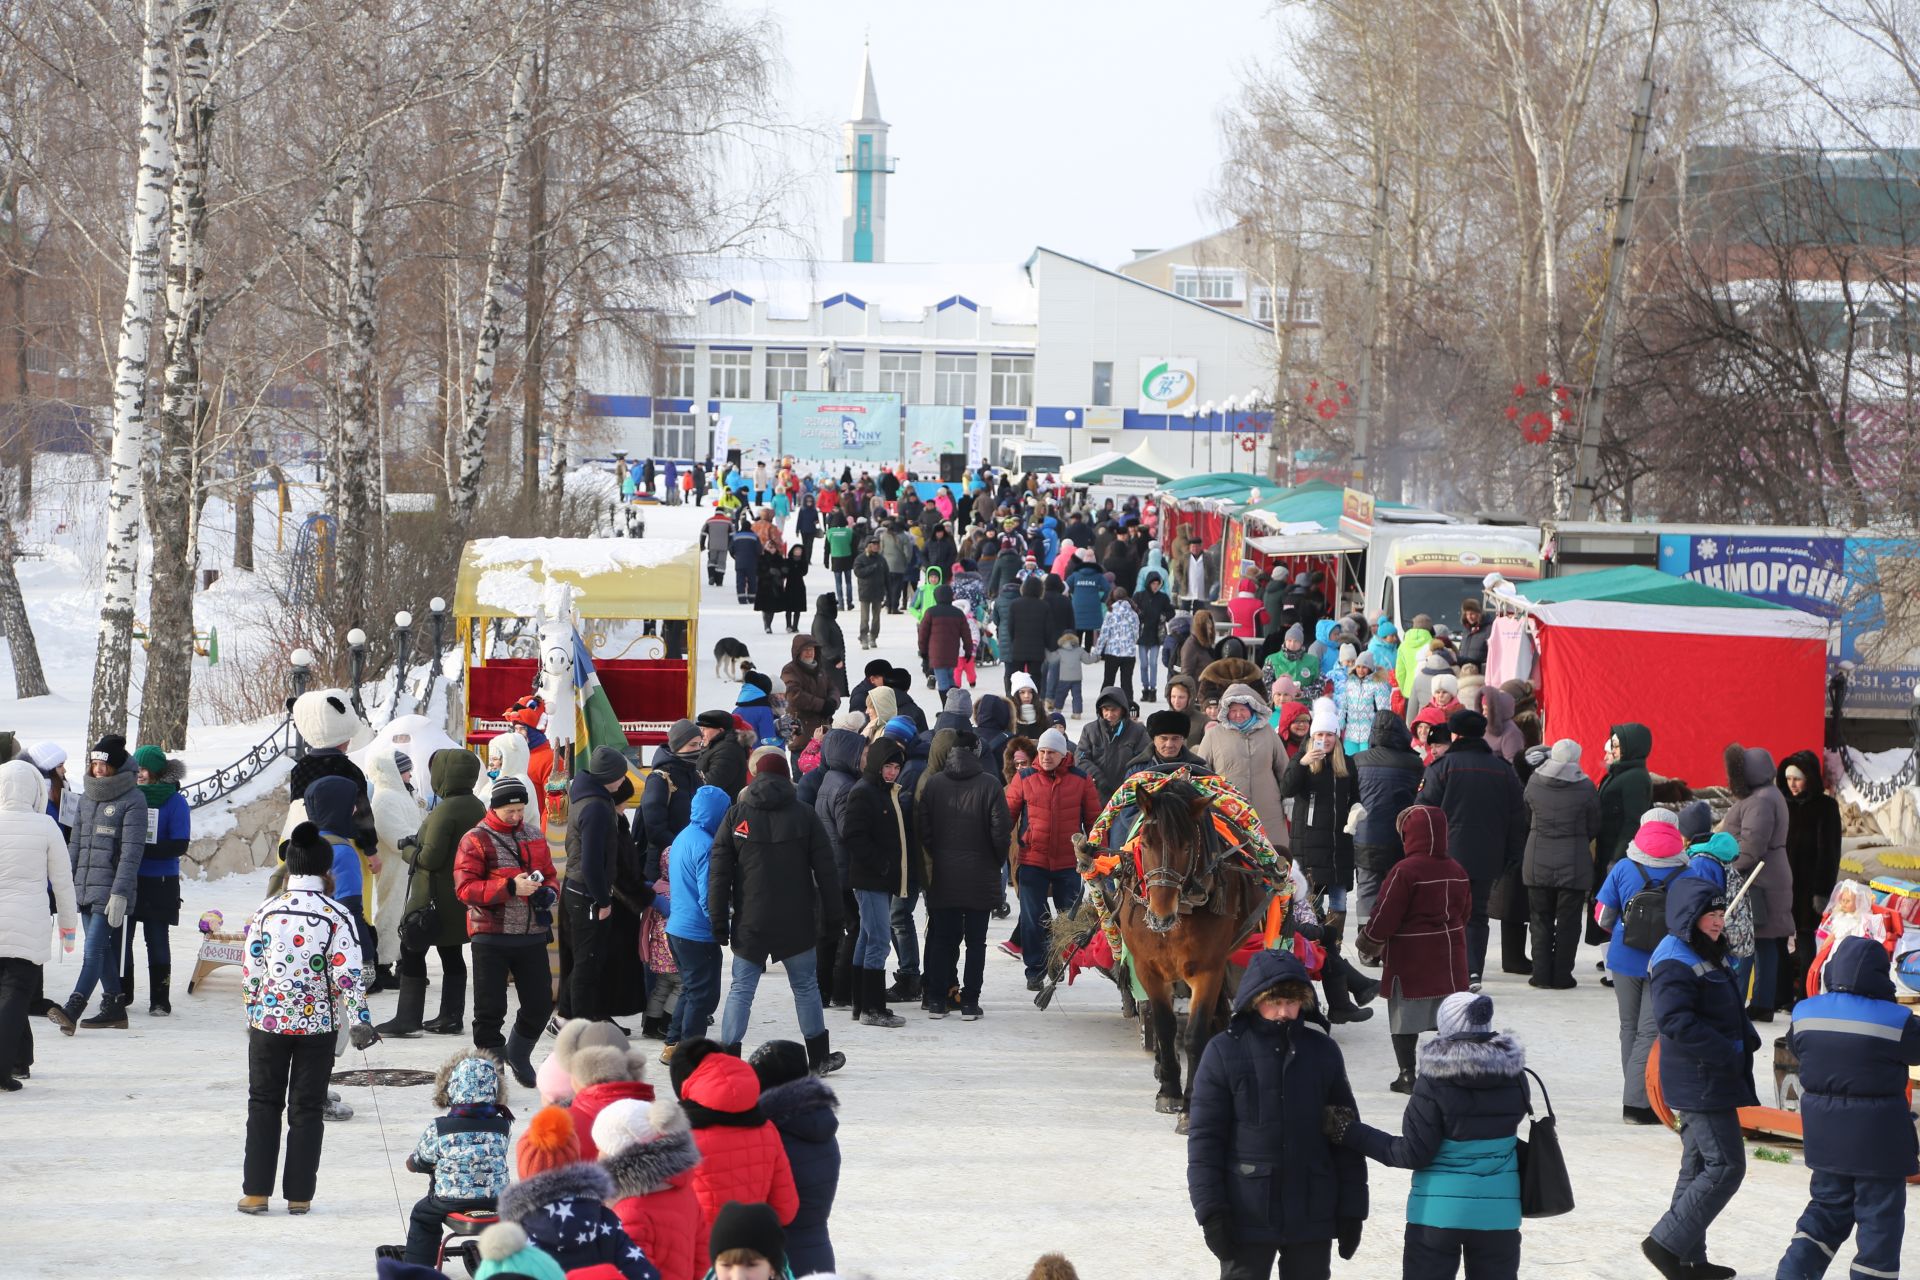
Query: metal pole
x=1586, y=473
x=1370, y=321
x=356, y=668
x=437, y=611
x=402, y=642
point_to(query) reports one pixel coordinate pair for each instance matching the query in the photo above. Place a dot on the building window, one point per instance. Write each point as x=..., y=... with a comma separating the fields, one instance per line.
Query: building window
x=730, y=375
x=998, y=431
x=1875, y=332
x=1013, y=380
x=1102, y=383
x=39, y=360
x=852, y=375
x=956, y=379
x=673, y=375
x=900, y=374
x=1207, y=284
x=786, y=371
x=675, y=436
x=1305, y=309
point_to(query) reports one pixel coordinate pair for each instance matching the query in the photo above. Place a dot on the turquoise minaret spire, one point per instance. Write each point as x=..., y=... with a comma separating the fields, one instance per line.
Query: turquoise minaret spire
x=864, y=164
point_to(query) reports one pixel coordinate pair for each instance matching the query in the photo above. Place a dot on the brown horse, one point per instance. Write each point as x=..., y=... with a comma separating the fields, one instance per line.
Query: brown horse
x=1181, y=918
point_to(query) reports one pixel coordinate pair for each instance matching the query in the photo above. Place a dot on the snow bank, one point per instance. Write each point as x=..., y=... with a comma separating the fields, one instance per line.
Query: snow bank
x=584, y=556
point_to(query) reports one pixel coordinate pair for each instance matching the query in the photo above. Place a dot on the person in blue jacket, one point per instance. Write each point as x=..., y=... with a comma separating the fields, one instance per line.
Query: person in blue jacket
x=754, y=705
x=689, y=936
x=804, y=1109
x=1706, y=1075
x=744, y=547
x=330, y=802
x=1264, y=1182
x=1087, y=588
x=1458, y=1136
x=1656, y=855
x=1856, y=1047
x=156, y=905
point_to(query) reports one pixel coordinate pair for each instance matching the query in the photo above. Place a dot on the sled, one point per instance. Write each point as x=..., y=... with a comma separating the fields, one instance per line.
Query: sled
x=216, y=951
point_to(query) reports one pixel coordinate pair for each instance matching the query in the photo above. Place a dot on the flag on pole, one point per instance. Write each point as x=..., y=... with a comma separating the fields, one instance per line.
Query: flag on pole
x=596, y=725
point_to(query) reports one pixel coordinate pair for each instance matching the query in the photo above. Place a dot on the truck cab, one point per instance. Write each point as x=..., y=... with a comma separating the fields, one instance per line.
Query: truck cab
x=1022, y=456
x=1431, y=569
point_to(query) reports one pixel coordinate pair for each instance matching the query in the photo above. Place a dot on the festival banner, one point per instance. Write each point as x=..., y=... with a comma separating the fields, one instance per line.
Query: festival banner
x=933, y=429
x=752, y=427
x=841, y=426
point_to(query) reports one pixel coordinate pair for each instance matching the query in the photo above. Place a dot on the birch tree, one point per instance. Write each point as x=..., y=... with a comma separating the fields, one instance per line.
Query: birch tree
x=469, y=456
x=153, y=177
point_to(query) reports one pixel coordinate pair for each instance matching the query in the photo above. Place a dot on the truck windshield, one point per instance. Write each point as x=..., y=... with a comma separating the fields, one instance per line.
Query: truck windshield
x=1038, y=463
x=1436, y=596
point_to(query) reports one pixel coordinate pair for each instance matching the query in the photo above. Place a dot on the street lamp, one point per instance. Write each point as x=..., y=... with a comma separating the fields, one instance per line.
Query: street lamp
x=1206, y=412
x=356, y=668
x=402, y=641
x=302, y=661
x=437, y=611
x=1188, y=413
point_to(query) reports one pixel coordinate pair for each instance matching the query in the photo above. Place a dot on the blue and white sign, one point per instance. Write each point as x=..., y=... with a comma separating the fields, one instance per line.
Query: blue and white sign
x=842, y=426
x=1802, y=573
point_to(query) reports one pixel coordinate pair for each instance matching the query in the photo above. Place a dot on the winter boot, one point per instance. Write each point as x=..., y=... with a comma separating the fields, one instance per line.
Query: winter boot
x=1359, y=985
x=906, y=986
x=1340, y=1005
x=113, y=1014
x=383, y=979
x=519, y=1056
x=876, y=1013
x=731, y=1050
x=453, y=1006
x=405, y=1023
x=159, y=1001
x=652, y=1028
x=1146, y=694
x=1664, y=1260
x=1404, y=1047
x=858, y=1003
x=253, y=1205
x=67, y=1016
x=338, y=1109
x=822, y=1059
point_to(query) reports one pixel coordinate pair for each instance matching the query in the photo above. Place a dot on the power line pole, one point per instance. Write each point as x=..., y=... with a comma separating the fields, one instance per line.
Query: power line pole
x=1586, y=474
x=1376, y=273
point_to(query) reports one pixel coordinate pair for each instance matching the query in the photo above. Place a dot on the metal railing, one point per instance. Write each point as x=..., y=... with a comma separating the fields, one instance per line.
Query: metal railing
x=283, y=741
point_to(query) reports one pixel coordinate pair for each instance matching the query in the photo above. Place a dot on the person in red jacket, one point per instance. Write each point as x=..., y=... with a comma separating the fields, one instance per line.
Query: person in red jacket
x=741, y=1154
x=1419, y=928
x=647, y=1149
x=527, y=716
x=503, y=871
x=1049, y=805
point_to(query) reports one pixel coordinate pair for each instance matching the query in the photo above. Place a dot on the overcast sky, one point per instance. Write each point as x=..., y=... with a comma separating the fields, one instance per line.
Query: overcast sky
x=1089, y=126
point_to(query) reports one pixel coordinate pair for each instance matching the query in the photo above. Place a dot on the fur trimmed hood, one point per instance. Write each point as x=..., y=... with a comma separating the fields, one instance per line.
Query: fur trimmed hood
x=472, y=1077
x=1498, y=1056
x=582, y=1181
x=804, y=1107
x=647, y=1167
x=591, y=1064
x=1747, y=768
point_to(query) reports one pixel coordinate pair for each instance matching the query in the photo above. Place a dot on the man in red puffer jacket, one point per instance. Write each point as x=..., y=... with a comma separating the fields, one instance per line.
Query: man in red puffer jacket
x=1049, y=805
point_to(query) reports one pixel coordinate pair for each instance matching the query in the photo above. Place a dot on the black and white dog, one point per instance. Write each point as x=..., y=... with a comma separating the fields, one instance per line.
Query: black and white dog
x=730, y=657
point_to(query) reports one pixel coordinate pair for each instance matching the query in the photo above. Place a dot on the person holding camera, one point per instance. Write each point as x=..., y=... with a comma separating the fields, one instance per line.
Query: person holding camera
x=500, y=871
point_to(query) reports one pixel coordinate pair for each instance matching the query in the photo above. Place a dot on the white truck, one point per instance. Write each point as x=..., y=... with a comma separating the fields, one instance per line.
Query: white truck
x=1432, y=565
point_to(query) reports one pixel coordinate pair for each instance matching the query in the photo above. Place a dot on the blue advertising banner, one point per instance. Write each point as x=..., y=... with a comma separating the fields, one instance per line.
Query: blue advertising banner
x=840, y=426
x=752, y=427
x=1841, y=580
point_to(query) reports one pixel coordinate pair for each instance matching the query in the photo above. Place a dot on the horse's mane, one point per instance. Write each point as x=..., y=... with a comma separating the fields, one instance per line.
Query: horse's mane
x=1169, y=814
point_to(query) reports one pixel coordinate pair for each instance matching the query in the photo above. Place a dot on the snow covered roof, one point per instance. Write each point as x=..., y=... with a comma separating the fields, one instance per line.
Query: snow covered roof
x=902, y=291
x=615, y=577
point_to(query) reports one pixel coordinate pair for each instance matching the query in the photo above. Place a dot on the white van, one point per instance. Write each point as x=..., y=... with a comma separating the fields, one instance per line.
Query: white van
x=1022, y=456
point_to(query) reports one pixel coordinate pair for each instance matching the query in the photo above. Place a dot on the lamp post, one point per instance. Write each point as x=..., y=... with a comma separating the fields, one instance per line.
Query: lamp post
x=402, y=642
x=1187, y=413
x=356, y=668
x=437, y=611
x=1206, y=414
x=302, y=663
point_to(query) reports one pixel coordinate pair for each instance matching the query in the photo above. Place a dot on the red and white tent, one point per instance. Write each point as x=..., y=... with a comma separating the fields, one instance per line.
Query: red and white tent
x=1699, y=667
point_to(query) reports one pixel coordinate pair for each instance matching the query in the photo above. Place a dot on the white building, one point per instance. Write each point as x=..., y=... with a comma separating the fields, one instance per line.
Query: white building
x=932, y=359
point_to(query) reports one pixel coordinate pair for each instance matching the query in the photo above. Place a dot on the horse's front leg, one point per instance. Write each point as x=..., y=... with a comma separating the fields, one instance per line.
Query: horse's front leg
x=1201, y=1012
x=1166, y=1054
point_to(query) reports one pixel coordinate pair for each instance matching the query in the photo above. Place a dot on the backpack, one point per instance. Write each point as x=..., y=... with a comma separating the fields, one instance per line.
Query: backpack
x=1644, y=921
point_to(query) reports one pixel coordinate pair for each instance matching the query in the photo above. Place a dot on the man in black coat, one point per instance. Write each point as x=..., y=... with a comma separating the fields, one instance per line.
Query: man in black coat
x=1263, y=1180
x=1110, y=741
x=1387, y=777
x=1025, y=644
x=666, y=802
x=1059, y=610
x=1166, y=748
x=587, y=897
x=771, y=856
x=1486, y=821
x=870, y=585
x=900, y=680
x=722, y=760
x=874, y=675
x=965, y=828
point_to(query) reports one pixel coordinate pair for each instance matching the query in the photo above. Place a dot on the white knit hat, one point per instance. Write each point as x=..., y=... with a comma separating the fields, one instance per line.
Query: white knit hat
x=628, y=1122
x=1326, y=716
x=47, y=756
x=852, y=721
x=1464, y=1013
x=1054, y=740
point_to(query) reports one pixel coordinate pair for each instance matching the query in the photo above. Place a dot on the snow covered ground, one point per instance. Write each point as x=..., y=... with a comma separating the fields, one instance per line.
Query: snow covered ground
x=970, y=1148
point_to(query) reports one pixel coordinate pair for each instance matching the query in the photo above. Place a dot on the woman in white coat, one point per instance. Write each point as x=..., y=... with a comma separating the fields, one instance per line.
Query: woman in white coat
x=33, y=859
x=396, y=817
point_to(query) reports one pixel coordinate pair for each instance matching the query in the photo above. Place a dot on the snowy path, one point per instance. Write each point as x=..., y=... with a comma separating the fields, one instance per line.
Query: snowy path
x=970, y=1148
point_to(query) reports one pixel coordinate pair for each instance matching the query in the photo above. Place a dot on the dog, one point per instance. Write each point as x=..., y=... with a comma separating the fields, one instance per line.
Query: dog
x=729, y=658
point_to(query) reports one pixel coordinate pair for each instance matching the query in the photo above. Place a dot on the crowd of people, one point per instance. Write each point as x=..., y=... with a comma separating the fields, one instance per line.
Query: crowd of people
x=803, y=826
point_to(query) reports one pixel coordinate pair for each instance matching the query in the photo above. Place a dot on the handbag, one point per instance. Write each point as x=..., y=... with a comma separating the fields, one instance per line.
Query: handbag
x=420, y=927
x=1546, y=1190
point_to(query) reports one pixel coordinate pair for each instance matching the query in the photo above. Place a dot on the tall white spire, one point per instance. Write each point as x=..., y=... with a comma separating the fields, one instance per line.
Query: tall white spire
x=864, y=165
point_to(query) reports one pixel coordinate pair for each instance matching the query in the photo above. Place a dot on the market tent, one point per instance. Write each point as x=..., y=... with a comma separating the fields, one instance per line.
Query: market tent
x=615, y=577
x=1698, y=666
x=1315, y=502
x=1102, y=470
x=1220, y=484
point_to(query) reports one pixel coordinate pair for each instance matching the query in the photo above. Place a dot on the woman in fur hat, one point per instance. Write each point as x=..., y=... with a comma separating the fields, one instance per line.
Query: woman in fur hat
x=603, y=1068
x=1243, y=749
